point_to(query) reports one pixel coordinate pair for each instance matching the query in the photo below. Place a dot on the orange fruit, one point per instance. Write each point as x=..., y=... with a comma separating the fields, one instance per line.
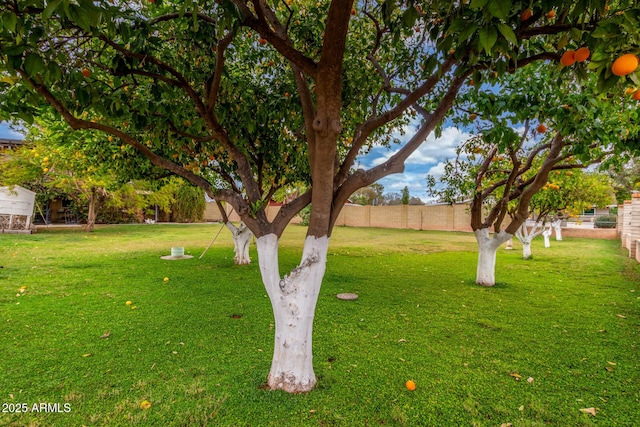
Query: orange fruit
x=262, y=41
x=630, y=91
x=410, y=385
x=86, y=72
x=626, y=64
x=473, y=116
x=582, y=54
x=568, y=58
x=636, y=95
x=541, y=128
x=551, y=14
x=528, y=13
x=353, y=11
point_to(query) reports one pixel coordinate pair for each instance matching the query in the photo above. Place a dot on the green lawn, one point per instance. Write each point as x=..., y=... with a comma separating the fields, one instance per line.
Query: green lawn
x=558, y=334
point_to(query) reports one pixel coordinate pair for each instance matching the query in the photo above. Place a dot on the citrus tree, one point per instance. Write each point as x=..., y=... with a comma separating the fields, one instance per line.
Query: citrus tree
x=243, y=97
x=527, y=132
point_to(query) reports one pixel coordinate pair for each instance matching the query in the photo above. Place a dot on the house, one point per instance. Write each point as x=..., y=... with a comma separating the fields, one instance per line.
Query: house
x=16, y=209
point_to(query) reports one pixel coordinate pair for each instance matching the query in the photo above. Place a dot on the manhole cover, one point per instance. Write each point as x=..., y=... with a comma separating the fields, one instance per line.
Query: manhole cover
x=347, y=296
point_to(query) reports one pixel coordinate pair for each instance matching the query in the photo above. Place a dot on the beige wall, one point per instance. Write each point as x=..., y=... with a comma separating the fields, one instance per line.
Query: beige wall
x=445, y=217
x=212, y=213
x=451, y=218
x=441, y=217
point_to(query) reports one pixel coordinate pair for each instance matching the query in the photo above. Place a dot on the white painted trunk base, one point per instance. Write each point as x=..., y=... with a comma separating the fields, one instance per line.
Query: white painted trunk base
x=558, y=229
x=487, y=249
x=547, y=234
x=526, y=236
x=293, y=299
x=241, y=240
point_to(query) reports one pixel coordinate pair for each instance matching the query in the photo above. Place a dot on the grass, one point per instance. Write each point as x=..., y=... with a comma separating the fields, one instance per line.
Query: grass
x=199, y=346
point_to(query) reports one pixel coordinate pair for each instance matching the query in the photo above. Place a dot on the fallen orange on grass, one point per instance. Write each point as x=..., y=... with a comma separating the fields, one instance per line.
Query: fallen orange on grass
x=145, y=404
x=410, y=385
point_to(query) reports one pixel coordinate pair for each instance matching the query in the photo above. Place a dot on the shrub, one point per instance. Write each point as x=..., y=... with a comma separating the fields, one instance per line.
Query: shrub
x=304, y=214
x=189, y=204
x=606, y=221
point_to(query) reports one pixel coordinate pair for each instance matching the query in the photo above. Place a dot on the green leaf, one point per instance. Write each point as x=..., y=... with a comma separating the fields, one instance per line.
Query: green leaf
x=409, y=17
x=576, y=34
x=478, y=4
x=9, y=21
x=33, y=64
x=488, y=37
x=467, y=32
x=50, y=9
x=508, y=33
x=499, y=8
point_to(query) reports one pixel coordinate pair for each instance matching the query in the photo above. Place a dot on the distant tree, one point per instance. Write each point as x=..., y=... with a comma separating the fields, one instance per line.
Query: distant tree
x=391, y=199
x=416, y=201
x=626, y=178
x=405, y=195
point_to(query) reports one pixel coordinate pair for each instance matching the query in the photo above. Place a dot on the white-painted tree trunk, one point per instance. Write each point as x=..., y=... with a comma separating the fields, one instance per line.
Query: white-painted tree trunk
x=526, y=250
x=547, y=234
x=509, y=245
x=558, y=229
x=487, y=248
x=241, y=239
x=293, y=299
x=526, y=236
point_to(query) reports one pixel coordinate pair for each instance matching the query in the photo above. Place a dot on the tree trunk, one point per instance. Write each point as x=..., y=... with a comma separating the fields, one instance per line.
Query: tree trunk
x=241, y=239
x=91, y=215
x=509, y=245
x=487, y=249
x=558, y=229
x=546, y=234
x=526, y=236
x=293, y=300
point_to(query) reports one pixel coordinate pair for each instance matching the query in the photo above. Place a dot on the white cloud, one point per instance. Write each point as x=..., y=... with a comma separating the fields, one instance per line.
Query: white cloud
x=431, y=151
x=429, y=158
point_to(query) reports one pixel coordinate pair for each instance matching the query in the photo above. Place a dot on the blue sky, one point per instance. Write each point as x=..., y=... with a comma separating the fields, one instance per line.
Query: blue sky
x=8, y=133
x=428, y=159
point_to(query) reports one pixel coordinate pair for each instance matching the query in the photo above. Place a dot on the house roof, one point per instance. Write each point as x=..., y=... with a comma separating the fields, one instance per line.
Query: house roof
x=10, y=143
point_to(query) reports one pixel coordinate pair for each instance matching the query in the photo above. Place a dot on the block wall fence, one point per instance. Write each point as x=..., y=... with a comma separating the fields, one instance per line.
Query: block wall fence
x=440, y=217
x=629, y=225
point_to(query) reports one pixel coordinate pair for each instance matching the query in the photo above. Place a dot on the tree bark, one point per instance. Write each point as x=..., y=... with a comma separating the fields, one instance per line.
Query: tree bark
x=487, y=249
x=92, y=213
x=293, y=299
x=241, y=240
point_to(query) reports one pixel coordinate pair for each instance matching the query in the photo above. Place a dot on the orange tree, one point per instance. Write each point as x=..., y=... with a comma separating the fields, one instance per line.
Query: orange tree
x=530, y=132
x=243, y=97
